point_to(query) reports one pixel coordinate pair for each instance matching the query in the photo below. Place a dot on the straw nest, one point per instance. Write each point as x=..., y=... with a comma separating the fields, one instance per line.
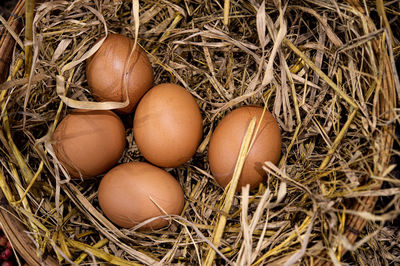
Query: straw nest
x=323, y=68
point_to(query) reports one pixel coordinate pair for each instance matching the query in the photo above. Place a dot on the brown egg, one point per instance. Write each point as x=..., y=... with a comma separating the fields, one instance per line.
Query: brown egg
x=227, y=138
x=104, y=72
x=134, y=192
x=167, y=126
x=88, y=143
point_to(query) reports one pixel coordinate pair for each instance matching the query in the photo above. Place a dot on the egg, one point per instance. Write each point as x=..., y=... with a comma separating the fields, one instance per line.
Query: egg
x=226, y=140
x=104, y=72
x=88, y=143
x=167, y=126
x=134, y=192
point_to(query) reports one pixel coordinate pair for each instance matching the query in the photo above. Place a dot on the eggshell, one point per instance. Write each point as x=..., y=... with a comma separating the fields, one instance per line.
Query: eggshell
x=167, y=126
x=88, y=143
x=133, y=192
x=227, y=138
x=104, y=72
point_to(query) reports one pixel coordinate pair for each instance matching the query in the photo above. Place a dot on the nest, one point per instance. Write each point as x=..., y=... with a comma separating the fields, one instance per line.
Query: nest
x=324, y=69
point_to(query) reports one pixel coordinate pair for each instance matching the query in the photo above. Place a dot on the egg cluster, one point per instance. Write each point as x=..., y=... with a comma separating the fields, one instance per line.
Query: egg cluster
x=167, y=128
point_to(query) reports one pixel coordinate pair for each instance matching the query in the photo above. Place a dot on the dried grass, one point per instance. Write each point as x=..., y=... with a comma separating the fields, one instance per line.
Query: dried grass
x=321, y=67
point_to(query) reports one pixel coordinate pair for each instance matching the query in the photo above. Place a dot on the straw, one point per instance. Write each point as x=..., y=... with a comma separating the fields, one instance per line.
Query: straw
x=29, y=13
x=325, y=71
x=230, y=191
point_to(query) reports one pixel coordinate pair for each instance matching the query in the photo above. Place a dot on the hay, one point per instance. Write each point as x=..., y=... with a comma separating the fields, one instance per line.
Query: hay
x=321, y=67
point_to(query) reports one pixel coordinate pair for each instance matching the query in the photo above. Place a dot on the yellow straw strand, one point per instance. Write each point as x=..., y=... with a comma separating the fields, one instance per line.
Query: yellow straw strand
x=227, y=4
x=83, y=256
x=226, y=206
x=100, y=253
x=29, y=13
